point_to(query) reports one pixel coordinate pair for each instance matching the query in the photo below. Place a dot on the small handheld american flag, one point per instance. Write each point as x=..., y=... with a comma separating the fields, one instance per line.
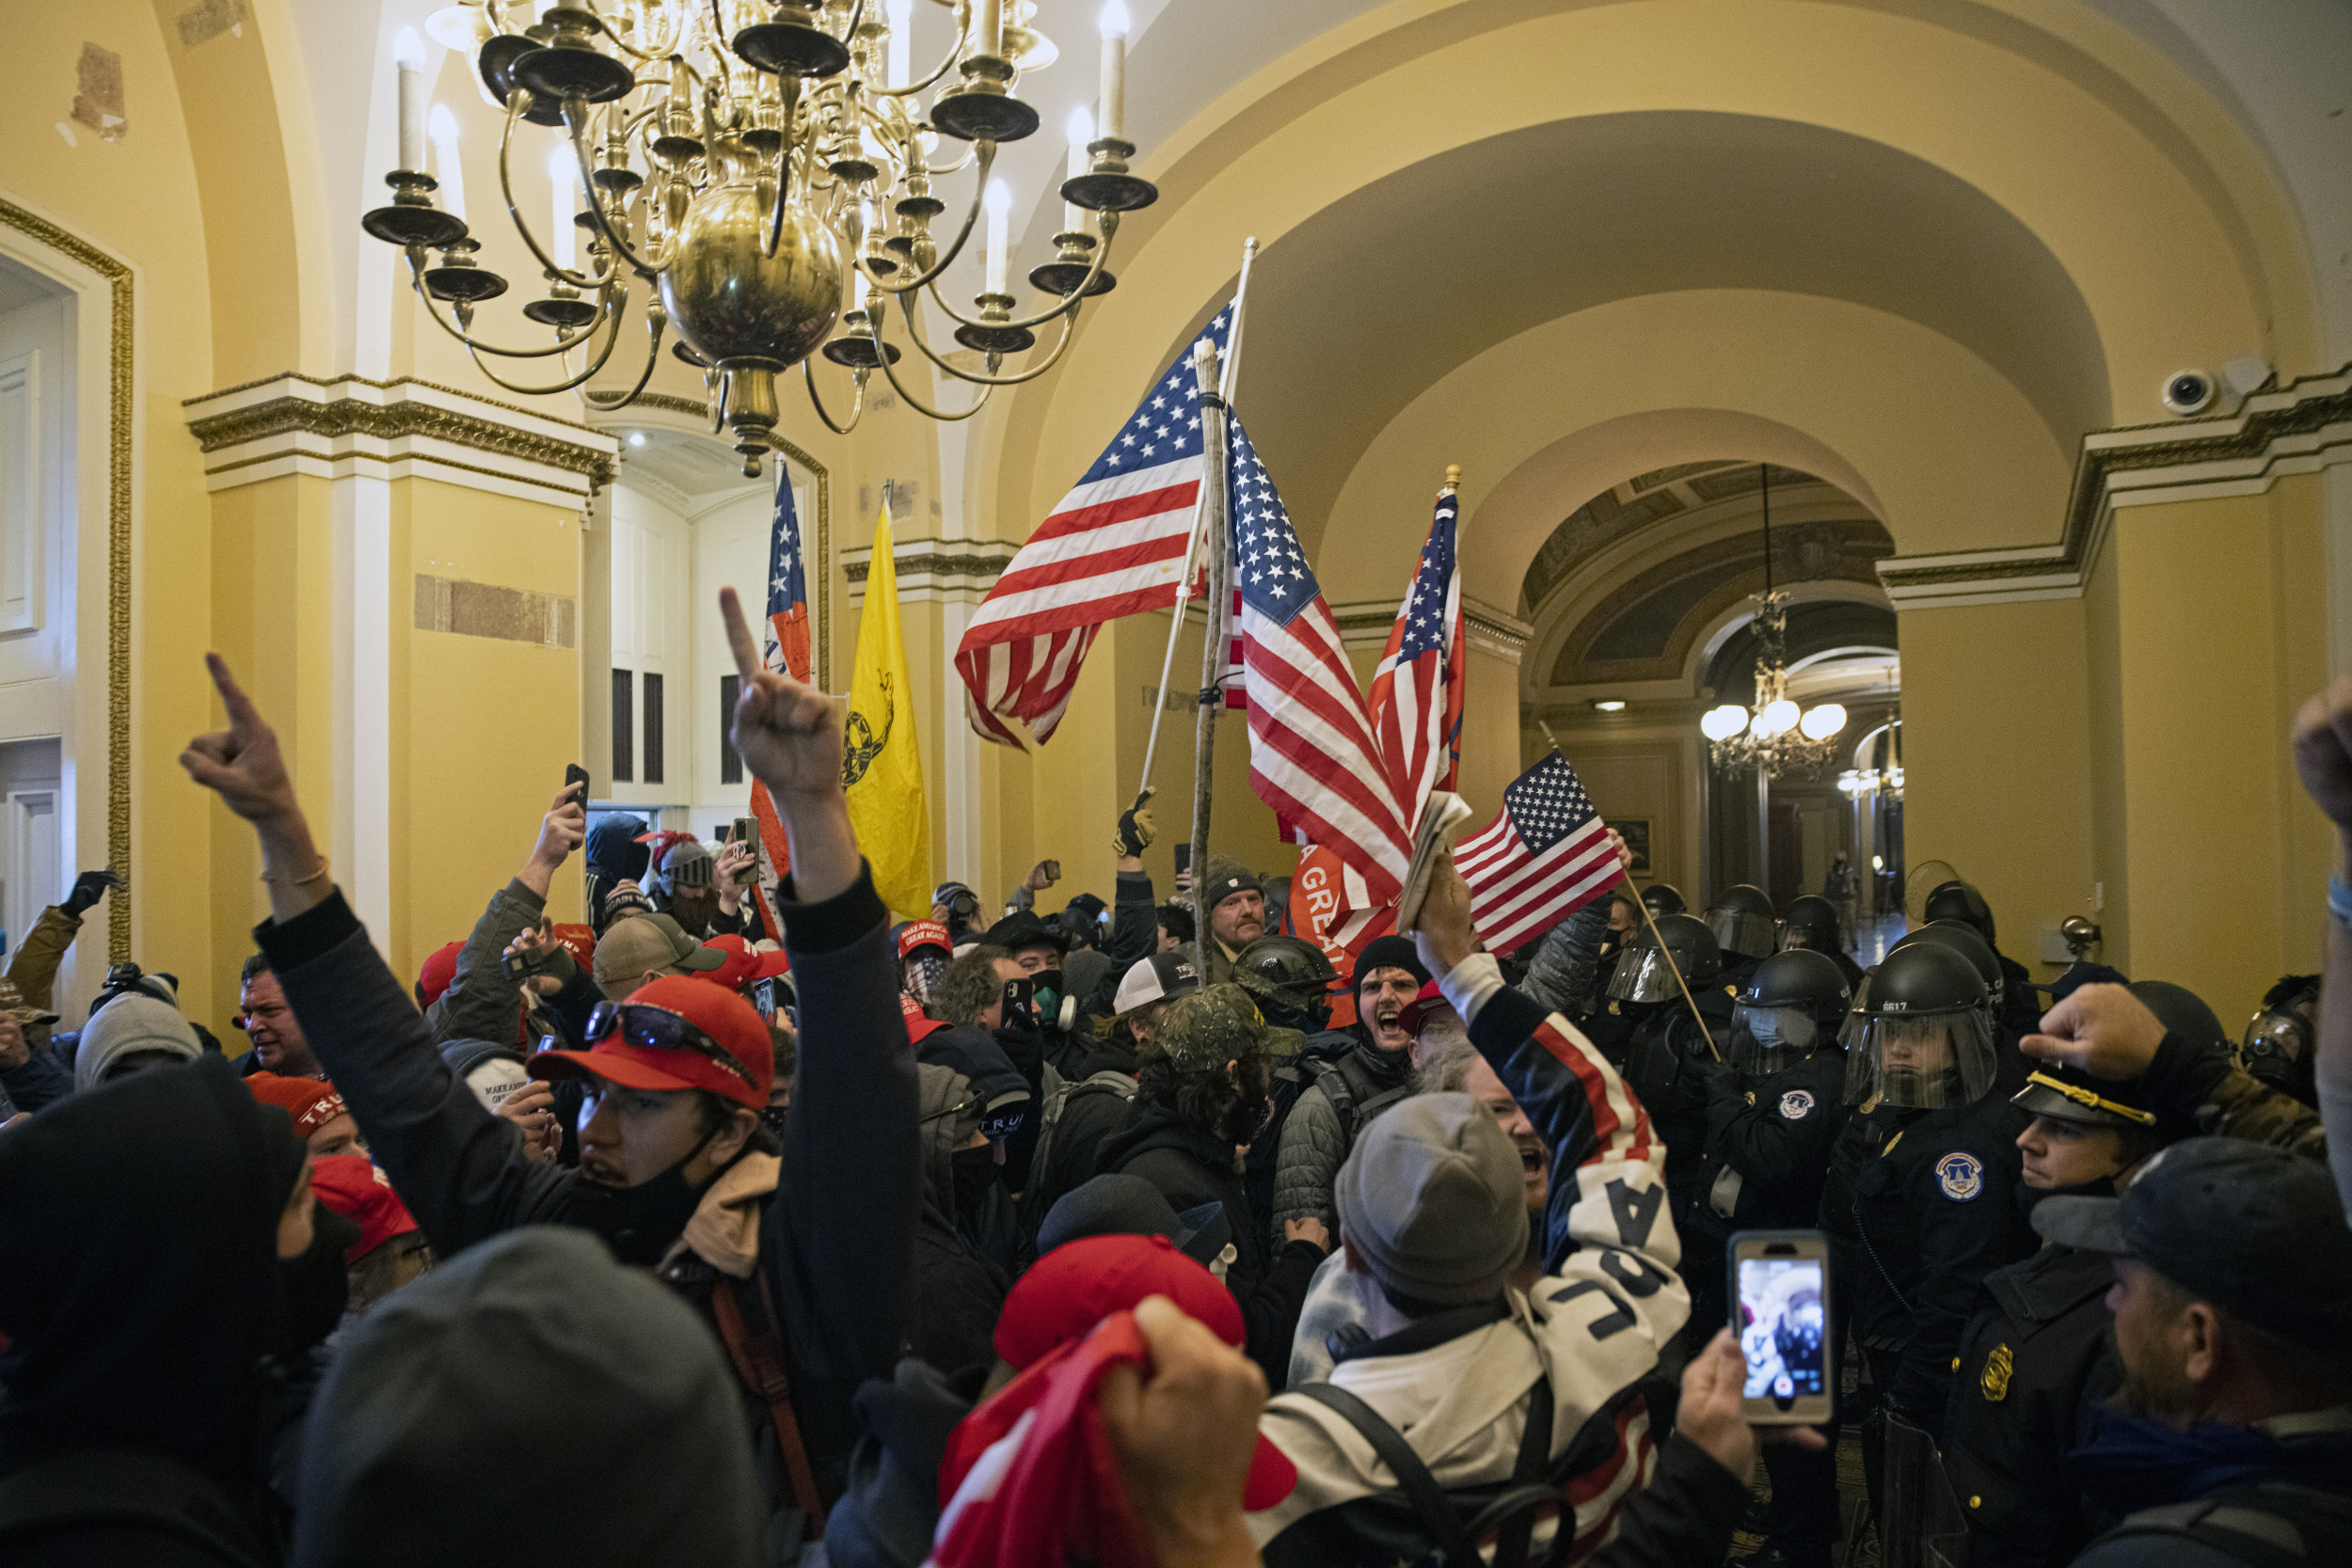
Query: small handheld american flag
x=1545, y=857
x=786, y=654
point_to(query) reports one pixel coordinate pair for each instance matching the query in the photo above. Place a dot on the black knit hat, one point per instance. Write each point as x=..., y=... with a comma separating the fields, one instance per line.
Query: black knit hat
x=1389, y=952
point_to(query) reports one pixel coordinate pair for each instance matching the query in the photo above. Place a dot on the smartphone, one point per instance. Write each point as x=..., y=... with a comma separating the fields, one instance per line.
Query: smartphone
x=575, y=774
x=771, y=996
x=1020, y=1004
x=1183, y=855
x=1780, y=1310
x=523, y=965
x=746, y=831
x=1053, y=871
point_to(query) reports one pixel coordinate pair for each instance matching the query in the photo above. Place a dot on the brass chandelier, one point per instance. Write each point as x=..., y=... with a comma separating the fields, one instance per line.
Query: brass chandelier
x=750, y=160
x=1773, y=736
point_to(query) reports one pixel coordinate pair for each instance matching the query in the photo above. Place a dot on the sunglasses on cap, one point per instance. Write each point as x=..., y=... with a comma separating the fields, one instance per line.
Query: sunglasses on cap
x=654, y=1029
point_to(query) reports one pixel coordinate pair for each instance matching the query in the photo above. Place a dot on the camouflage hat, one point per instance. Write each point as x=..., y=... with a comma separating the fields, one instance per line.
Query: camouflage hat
x=1205, y=1029
x=13, y=1000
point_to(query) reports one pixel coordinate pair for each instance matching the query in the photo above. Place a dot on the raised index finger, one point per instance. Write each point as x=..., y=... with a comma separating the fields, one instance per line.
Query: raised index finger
x=233, y=696
x=747, y=663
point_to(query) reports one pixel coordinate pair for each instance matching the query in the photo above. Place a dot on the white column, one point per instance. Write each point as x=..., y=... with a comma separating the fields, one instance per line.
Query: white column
x=364, y=710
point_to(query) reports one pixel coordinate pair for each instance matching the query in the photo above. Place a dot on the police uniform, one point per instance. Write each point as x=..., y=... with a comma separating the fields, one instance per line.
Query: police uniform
x=2032, y=1365
x=1661, y=1047
x=1767, y=1150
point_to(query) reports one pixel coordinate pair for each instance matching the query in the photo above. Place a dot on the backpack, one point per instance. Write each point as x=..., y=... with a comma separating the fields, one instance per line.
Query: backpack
x=1332, y=1057
x=122, y=1490
x=1044, y=1190
x=2271, y=1525
x=1455, y=1523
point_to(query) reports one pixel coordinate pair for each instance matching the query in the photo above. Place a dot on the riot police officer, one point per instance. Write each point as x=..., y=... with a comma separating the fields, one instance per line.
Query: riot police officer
x=1663, y=1038
x=1920, y=1203
x=1664, y=898
x=2034, y=1362
x=1773, y=1113
x=1812, y=923
x=2010, y=1064
x=1957, y=900
x=1741, y=919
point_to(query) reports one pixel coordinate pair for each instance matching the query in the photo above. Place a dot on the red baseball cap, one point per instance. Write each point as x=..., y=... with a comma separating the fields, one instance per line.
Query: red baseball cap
x=769, y=962
x=923, y=933
x=1429, y=1000
x=720, y=1016
x=311, y=1102
x=363, y=1194
x=919, y=1024
x=1078, y=1284
x=740, y=968
x=438, y=974
x=580, y=941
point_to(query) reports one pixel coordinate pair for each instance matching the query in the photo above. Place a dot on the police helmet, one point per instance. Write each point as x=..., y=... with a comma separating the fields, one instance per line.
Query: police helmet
x=1663, y=899
x=1286, y=975
x=2182, y=1011
x=1963, y=941
x=1741, y=919
x=1811, y=923
x=1926, y=1036
x=1790, y=1006
x=1957, y=900
x=1645, y=970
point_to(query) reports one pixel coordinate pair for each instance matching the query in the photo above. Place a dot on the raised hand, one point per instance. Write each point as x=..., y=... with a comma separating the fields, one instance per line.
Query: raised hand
x=2323, y=754
x=240, y=764
x=1445, y=936
x=788, y=734
x=1136, y=830
x=88, y=888
x=2103, y=1030
x=563, y=830
x=1183, y=1440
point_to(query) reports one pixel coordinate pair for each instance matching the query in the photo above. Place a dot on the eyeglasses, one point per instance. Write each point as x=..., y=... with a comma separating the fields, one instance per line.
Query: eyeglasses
x=654, y=1029
x=2085, y=1097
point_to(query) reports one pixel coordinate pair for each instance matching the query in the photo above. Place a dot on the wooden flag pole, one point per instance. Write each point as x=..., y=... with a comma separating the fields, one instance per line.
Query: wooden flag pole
x=1649, y=920
x=1213, y=637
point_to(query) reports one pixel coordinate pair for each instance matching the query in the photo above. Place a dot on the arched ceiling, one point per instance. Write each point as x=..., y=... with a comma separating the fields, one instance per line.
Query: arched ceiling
x=1379, y=295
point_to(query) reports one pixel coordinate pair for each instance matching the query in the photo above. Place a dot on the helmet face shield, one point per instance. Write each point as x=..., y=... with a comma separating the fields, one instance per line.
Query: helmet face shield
x=1924, y=1060
x=1765, y=1039
x=1643, y=974
x=2283, y=1036
x=1743, y=932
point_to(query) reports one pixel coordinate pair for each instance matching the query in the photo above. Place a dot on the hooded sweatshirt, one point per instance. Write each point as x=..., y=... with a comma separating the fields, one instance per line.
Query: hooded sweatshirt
x=430, y=1436
x=140, y=1287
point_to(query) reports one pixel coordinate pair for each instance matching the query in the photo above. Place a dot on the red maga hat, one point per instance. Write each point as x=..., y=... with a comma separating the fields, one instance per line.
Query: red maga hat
x=675, y=1033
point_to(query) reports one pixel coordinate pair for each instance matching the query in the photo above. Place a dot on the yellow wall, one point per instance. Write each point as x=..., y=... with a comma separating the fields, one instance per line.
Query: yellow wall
x=1996, y=758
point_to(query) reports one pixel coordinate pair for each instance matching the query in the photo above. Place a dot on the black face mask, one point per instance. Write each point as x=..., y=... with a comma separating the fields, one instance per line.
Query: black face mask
x=639, y=1223
x=317, y=1289
x=976, y=1171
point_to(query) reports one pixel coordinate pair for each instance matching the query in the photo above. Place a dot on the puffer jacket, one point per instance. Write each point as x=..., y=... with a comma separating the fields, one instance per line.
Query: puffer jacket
x=1315, y=1144
x=1562, y=974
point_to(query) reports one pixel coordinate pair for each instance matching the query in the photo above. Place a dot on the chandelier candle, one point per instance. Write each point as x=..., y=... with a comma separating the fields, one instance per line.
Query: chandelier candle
x=901, y=14
x=408, y=60
x=999, y=204
x=1114, y=93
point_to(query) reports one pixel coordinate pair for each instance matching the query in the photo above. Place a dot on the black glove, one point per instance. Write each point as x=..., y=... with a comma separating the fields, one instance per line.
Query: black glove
x=1135, y=827
x=1714, y=1080
x=88, y=888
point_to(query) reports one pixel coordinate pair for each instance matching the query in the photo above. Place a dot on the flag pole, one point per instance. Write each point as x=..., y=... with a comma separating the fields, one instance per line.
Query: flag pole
x=1200, y=507
x=1212, y=637
x=1649, y=920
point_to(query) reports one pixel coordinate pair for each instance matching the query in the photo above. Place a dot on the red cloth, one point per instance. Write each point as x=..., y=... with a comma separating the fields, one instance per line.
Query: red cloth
x=363, y=1194
x=438, y=974
x=1030, y=1476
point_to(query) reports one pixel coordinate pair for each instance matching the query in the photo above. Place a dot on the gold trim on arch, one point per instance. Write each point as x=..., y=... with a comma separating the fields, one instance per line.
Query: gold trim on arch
x=824, y=551
x=120, y=403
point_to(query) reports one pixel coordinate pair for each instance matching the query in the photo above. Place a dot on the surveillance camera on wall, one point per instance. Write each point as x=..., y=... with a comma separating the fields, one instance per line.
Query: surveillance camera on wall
x=2188, y=393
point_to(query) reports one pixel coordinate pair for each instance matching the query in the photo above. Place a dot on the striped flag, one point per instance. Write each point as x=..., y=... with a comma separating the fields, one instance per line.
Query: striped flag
x=786, y=653
x=1417, y=691
x=1545, y=857
x=1115, y=546
x=1311, y=754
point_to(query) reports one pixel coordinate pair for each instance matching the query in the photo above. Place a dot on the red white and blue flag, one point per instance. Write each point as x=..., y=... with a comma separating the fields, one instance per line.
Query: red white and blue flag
x=1545, y=857
x=1417, y=691
x=786, y=653
x=1115, y=546
x=1312, y=758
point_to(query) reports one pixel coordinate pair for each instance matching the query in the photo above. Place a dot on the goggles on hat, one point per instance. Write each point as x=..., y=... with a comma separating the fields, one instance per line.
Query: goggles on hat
x=652, y=1028
x=2090, y=1101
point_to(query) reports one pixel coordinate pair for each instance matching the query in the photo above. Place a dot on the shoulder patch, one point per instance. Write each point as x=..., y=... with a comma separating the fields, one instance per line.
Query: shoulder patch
x=1796, y=1104
x=1960, y=1177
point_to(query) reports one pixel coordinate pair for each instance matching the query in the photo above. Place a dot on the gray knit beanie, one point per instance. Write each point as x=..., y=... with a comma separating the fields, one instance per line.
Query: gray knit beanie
x=130, y=1023
x=1432, y=1201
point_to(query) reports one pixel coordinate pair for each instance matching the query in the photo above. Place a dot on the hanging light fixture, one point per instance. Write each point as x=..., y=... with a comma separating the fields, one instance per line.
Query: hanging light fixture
x=1774, y=736
x=751, y=161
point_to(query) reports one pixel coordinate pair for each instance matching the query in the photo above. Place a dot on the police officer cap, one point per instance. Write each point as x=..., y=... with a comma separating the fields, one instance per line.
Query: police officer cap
x=1797, y=979
x=1957, y=900
x=2182, y=1012
x=1664, y=898
x=2255, y=1230
x=2068, y=1094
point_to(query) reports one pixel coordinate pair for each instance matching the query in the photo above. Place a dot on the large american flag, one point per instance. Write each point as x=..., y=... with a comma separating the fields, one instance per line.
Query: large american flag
x=1311, y=754
x=1417, y=691
x=1115, y=546
x=786, y=653
x=1545, y=857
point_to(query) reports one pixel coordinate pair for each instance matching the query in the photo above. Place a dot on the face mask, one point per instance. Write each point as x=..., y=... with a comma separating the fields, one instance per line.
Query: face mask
x=639, y=1223
x=316, y=1287
x=1049, y=993
x=924, y=972
x=974, y=1172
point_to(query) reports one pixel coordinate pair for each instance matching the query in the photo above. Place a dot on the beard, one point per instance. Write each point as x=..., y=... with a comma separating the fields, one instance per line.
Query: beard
x=2154, y=1387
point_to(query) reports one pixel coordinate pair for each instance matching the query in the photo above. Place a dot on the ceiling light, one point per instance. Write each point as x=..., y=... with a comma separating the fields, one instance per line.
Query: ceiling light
x=1609, y=705
x=636, y=437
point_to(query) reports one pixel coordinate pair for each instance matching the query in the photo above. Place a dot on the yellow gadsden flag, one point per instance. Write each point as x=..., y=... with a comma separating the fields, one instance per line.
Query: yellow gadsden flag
x=881, y=764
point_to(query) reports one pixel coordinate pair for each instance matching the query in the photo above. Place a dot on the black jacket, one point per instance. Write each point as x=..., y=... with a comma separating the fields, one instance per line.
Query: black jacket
x=1920, y=1206
x=1664, y=1043
x=1776, y=1132
x=836, y=1237
x=2031, y=1366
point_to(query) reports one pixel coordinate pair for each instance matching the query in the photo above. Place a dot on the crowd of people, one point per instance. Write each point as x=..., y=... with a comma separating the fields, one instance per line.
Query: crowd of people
x=1089, y=1236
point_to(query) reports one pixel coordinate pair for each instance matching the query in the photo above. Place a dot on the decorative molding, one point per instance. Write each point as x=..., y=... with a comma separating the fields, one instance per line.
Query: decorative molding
x=121, y=406
x=1366, y=624
x=957, y=569
x=333, y=428
x=2298, y=429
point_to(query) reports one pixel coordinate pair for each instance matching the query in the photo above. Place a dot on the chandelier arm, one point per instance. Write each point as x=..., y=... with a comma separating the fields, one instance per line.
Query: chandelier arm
x=1030, y=374
x=506, y=189
x=987, y=158
x=620, y=42
x=774, y=235
x=612, y=338
x=955, y=51
x=1066, y=309
x=857, y=404
x=416, y=281
x=656, y=324
x=621, y=249
x=987, y=391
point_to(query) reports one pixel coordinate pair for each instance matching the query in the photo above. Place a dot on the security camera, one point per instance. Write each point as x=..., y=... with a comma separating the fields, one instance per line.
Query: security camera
x=2187, y=393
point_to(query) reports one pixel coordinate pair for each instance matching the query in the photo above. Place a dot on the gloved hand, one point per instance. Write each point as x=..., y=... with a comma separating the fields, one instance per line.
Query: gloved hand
x=1713, y=1080
x=88, y=888
x=1135, y=827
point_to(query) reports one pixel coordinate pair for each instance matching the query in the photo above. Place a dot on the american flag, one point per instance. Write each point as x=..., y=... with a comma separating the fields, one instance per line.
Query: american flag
x=1115, y=546
x=1417, y=691
x=786, y=653
x=1312, y=755
x=1545, y=857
